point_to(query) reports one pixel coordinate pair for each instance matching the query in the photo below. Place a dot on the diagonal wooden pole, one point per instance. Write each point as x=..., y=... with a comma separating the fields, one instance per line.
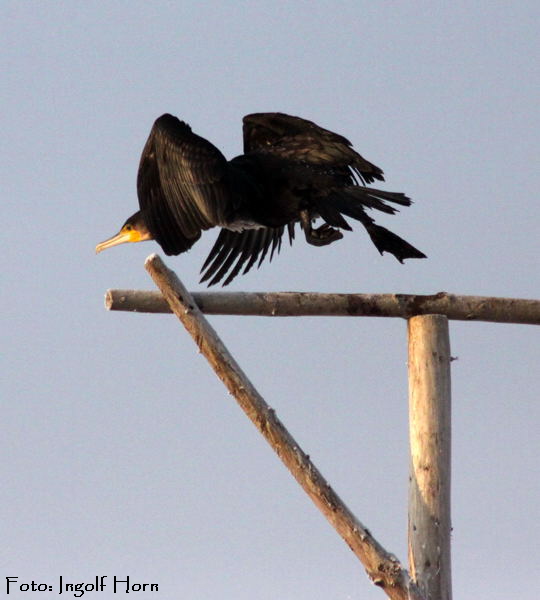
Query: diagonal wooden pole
x=430, y=446
x=381, y=566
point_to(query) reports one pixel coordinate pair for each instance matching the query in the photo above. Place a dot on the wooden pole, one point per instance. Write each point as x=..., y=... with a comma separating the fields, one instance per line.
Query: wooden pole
x=383, y=568
x=297, y=304
x=430, y=445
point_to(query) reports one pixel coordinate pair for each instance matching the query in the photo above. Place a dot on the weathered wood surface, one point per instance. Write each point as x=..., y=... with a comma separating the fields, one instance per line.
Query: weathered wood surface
x=291, y=304
x=430, y=455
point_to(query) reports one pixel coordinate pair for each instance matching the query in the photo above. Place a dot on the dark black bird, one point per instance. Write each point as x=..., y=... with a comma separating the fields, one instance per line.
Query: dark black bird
x=292, y=171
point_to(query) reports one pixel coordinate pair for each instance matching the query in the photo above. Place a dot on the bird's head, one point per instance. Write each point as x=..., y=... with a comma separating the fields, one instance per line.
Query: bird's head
x=133, y=230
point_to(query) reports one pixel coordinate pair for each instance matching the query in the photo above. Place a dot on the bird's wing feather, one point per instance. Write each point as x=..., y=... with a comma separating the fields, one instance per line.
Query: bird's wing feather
x=233, y=249
x=180, y=184
x=301, y=140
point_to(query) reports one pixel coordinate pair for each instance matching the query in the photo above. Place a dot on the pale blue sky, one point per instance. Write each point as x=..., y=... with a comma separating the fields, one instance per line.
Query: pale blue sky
x=122, y=452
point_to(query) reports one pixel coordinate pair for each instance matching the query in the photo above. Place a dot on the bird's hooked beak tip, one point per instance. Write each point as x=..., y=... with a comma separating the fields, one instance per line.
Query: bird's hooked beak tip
x=120, y=238
x=103, y=246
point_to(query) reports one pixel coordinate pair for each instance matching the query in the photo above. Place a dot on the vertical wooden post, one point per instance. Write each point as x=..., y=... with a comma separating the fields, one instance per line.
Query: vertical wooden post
x=430, y=433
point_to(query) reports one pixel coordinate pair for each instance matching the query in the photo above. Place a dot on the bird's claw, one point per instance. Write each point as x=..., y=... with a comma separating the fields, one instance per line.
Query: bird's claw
x=323, y=235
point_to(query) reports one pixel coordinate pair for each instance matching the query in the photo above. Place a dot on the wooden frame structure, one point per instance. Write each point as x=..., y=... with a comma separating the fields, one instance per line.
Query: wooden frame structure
x=429, y=358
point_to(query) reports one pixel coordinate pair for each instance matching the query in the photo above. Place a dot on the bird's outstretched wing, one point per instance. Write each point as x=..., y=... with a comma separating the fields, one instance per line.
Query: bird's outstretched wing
x=301, y=140
x=234, y=249
x=180, y=184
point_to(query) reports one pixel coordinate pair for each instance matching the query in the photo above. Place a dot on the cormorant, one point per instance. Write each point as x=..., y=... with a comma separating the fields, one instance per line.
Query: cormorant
x=292, y=171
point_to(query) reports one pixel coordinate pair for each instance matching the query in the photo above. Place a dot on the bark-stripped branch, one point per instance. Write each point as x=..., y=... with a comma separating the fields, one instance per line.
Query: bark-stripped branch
x=288, y=304
x=383, y=568
x=430, y=453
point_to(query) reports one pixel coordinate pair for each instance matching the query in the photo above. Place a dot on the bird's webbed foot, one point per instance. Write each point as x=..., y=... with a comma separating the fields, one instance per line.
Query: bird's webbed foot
x=321, y=236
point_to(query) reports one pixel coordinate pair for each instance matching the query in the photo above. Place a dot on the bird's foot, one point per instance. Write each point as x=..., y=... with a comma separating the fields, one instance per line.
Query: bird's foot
x=323, y=235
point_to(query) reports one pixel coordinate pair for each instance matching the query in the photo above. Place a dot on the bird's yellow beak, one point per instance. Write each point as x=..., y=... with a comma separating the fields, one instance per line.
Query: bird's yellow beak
x=126, y=234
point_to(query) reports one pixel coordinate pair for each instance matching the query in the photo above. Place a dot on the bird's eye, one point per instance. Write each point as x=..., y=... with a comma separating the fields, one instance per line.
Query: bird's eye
x=128, y=227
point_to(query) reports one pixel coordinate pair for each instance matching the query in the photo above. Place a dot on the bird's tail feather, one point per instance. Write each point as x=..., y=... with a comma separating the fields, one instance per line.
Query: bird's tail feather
x=386, y=241
x=373, y=198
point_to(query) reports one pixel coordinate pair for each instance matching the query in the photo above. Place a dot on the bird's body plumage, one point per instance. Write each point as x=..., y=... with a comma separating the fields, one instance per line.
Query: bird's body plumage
x=292, y=171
